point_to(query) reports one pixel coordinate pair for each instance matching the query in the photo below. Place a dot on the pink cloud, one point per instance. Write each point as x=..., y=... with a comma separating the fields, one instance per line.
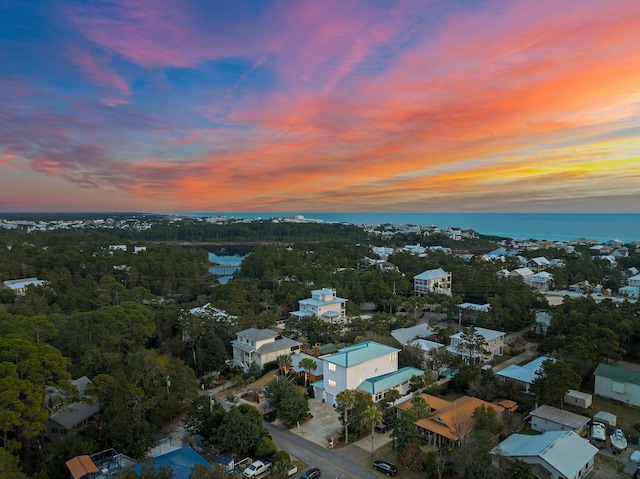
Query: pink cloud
x=366, y=109
x=102, y=75
x=153, y=33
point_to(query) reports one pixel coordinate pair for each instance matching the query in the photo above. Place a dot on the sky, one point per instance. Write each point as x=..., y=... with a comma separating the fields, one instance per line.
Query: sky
x=320, y=106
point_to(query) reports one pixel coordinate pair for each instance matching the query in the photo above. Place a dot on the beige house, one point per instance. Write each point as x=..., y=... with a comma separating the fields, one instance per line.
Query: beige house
x=260, y=346
x=435, y=281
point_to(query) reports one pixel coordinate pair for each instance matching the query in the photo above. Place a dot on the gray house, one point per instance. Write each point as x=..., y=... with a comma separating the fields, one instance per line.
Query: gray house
x=69, y=417
x=548, y=418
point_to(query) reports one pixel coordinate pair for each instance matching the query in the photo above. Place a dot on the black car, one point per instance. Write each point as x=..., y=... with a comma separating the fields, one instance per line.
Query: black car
x=313, y=473
x=385, y=466
x=381, y=428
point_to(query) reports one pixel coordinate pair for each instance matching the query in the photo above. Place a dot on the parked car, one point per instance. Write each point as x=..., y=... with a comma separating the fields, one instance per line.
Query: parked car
x=313, y=473
x=389, y=422
x=381, y=428
x=387, y=467
x=257, y=468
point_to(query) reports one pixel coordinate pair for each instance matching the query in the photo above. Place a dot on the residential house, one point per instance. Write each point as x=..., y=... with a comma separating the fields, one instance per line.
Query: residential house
x=19, y=286
x=620, y=382
x=503, y=273
x=64, y=418
x=405, y=336
x=600, y=250
x=548, y=418
x=448, y=422
x=296, y=368
x=494, y=344
x=632, y=289
x=324, y=304
x=434, y=402
x=469, y=312
x=522, y=273
x=523, y=375
x=538, y=264
x=543, y=322
x=632, y=292
x=425, y=348
x=201, y=318
x=435, y=281
x=82, y=467
x=542, y=281
x=620, y=252
x=260, y=346
x=496, y=254
x=349, y=367
x=552, y=455
x=378, y=386
x=179, y=461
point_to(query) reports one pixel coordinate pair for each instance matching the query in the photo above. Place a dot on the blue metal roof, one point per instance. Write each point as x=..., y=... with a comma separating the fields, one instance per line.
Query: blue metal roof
x=181, y=462
x=388, y=381
x=359, y=353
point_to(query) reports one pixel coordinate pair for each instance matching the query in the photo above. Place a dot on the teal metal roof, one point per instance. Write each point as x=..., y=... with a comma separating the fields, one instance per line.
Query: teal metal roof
x=359, y=353
x=388, y=381
x=618, y=373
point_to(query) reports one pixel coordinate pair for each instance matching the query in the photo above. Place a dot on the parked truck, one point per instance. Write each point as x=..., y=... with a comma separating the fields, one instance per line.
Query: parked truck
x=258, y=468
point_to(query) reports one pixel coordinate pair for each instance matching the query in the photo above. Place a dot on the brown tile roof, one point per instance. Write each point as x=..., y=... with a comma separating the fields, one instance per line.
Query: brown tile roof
x=508, y=404
x=435, y=403
x=80, y=466
x=445, y=421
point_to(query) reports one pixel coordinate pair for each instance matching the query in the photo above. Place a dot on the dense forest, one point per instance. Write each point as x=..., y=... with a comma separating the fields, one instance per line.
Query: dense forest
x=118, y=317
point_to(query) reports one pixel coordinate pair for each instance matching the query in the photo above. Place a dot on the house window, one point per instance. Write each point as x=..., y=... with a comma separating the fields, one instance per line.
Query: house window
x=393, y=357
x=332, y=367
x=379, y=396
x=332, y=384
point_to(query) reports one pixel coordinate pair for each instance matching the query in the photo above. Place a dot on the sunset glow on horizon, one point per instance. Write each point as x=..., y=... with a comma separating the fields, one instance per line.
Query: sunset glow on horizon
x=320, y=106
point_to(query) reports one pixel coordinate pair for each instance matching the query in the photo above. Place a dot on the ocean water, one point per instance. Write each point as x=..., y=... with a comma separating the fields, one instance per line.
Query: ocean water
x=542, y=226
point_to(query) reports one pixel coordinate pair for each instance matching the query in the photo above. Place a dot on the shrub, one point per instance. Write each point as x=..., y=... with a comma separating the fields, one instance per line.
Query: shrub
x=265, y=447
x=281, y=456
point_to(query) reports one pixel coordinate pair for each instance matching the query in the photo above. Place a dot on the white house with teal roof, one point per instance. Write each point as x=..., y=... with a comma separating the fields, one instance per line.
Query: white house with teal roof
x=379, y=385
x=350, y=367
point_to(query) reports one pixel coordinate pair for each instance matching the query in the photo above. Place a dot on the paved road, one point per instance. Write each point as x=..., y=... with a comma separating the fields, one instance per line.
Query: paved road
x=330, y=463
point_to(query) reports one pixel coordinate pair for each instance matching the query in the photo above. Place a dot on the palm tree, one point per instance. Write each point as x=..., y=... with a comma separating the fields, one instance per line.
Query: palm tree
x=370, y=417
x=345, y=400
x=308, y=365
x=284, y=361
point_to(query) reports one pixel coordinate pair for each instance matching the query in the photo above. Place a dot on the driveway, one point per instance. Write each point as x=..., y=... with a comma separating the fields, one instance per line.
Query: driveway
x=326, y=423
